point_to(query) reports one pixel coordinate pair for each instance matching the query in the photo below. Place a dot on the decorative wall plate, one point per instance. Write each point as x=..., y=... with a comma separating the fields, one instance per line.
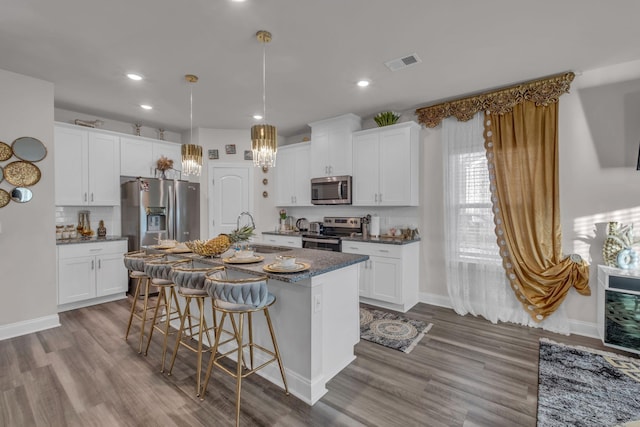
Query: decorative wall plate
x=5, y=152
x=4, y=198
x=22, y=174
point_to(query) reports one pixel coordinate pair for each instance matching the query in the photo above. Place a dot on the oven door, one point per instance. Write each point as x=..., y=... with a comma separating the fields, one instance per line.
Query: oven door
x=323, y=244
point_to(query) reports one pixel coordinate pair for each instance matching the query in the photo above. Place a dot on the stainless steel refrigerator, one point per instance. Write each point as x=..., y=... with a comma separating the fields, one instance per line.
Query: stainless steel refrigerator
x=153, y=209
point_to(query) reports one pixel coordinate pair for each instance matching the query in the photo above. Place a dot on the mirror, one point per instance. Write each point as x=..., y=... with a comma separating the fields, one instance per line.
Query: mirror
x=21, y=195
x=29, y=149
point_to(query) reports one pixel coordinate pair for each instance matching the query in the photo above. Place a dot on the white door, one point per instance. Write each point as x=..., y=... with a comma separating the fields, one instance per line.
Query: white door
x=229, y=195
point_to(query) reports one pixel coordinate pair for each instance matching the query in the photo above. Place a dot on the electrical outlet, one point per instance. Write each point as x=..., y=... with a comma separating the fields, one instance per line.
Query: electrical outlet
x=317, y=303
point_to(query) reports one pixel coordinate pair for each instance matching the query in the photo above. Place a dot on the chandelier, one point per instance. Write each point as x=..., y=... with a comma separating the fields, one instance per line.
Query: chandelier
x=191, y=153
x=264, y=137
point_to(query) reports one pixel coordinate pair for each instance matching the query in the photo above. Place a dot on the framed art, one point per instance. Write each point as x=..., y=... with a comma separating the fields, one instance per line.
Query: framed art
x=248, y=155
x=213, y=154
x=230, y=148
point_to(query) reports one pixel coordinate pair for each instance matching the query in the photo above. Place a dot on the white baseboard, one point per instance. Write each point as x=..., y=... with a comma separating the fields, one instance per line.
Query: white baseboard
x=92, y=301
x=577, y=327
x=29, y=326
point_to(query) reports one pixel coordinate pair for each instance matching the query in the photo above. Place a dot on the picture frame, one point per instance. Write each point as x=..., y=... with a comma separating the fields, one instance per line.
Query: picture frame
x=248, y=155
x=230, y=148
x=213, y=154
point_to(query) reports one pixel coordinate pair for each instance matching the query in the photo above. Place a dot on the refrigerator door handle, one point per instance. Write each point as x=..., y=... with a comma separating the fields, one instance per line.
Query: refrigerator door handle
x=171, y=224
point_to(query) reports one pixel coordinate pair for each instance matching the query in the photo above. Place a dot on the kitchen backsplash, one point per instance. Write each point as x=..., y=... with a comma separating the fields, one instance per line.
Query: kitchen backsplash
x=66, y=215
x=391, y=217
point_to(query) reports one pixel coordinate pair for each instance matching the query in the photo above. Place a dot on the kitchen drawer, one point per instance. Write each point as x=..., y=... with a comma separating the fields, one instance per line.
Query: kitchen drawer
x=88, y=249
x=292, y=241
x=372, y=249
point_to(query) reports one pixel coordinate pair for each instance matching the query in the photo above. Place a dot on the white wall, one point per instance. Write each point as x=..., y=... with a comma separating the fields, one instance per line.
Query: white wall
x=27, y=237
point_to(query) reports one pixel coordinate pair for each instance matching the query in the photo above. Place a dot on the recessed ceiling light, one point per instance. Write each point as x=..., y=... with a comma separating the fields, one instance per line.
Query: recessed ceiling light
x=257, y=117
x=363, y=83
x=238, y=1
x=146, y=107
x=134, y=76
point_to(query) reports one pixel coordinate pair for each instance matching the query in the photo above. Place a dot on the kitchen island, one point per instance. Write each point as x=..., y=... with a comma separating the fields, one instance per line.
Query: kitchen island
x=316, y=314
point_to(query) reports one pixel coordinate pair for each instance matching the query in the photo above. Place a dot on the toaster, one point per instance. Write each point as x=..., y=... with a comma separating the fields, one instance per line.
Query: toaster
x=315, y=227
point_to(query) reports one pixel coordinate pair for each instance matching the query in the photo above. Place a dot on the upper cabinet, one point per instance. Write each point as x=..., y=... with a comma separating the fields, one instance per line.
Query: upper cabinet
x=331, y=148
x=385, y=165
x=293, y=181
x=139, y=156
x=87, y=167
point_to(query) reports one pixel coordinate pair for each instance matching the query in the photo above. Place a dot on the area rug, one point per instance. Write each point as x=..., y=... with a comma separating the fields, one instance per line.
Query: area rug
x=391, y=330
x=580, y=386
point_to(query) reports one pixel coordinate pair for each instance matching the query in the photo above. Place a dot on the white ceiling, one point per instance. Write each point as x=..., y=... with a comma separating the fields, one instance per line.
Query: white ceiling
x=319, y=50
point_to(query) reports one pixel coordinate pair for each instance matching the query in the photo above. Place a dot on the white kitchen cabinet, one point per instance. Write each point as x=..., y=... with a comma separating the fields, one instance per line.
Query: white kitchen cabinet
x=331, y=145
x=389, y=278
x=293, y=180
x=385, y=166
x=87, y=165
x=139, y=156
x=91, y=273
x=282, y=240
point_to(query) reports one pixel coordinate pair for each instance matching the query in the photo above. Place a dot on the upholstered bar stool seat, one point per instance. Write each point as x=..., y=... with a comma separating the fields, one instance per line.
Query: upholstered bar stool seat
x=193, y=326
x=160, y=274
x=238, y=299
x=134, y=262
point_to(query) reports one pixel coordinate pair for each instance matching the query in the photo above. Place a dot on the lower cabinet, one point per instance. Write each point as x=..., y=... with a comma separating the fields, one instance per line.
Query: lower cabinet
x=282, y=240
x=91, y=273
x=389, y=278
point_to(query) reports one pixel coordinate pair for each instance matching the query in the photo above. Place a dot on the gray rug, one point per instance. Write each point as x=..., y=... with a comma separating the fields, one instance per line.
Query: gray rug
x=579, y=386
x=391, y=330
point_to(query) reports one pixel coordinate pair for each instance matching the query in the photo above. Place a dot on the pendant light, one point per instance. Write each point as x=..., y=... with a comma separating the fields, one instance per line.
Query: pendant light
x=191, y=153
x=264, y=138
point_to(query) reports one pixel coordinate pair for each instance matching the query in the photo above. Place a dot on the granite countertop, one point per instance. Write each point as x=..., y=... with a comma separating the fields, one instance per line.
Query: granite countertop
x=320, y=262
x=92, y=239
x=387, y=240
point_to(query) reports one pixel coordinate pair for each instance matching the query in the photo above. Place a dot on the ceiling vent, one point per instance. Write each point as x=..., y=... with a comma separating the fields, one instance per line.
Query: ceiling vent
x=404, y=62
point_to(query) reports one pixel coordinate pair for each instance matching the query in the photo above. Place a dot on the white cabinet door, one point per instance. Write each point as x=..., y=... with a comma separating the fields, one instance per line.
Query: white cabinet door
x=386, y=279
x=293, y=182
x=385, y=166
x=366, y=158
x=76, y=279
x=395, y=168
x=110, y=276
x=170, y=150
x=285, y=176
x=331, y=150
x=136, y=157
x=103, y=167
x=71, y=173
x=87, y=167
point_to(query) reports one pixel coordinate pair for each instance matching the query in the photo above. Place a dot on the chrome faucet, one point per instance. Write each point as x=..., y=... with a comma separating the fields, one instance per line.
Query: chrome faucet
x=253, y=224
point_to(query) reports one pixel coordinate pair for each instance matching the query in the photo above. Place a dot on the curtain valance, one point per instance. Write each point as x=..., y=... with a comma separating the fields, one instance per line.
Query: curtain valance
x=542, y=92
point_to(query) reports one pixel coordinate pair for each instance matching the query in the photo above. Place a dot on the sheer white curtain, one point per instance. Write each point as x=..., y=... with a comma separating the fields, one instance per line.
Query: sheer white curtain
x=476, y=280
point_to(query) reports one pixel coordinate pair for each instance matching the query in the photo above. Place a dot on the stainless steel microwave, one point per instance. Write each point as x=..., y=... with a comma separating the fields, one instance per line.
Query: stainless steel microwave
x=331, y=190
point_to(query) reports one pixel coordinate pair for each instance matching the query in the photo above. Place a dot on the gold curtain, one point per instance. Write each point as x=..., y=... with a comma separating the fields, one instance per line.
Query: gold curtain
x=522, y=152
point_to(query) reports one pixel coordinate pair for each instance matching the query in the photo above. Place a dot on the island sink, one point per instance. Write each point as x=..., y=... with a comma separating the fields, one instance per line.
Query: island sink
x=266, y=249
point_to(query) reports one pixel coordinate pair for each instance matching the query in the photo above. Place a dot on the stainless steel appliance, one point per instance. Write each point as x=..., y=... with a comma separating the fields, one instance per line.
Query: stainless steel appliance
x=154, y=209
x=330, y=238
x=331, y=190
x=302, y=224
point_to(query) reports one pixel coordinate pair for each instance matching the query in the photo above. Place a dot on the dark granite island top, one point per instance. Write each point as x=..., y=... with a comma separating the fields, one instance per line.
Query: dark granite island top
x=320, y=262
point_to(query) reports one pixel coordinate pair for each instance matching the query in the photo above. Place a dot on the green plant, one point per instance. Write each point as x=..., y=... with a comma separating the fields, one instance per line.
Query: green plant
x=386, y=118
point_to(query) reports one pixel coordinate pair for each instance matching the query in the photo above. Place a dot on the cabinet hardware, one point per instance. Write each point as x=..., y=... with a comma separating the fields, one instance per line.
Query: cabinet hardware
x=99, y=263
x=85, y=197
x=93, y=264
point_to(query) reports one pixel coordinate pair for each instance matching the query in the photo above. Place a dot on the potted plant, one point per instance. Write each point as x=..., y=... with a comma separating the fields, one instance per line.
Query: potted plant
x=386, y=118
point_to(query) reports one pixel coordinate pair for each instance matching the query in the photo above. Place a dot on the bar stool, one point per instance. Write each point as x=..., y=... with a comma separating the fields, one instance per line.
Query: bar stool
x=190, y=283
x=134, y=262
x=237, y=298
x=160, y=274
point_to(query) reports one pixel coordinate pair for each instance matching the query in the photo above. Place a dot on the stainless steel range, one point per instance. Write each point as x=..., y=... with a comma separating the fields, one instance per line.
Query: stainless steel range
x=330, y=236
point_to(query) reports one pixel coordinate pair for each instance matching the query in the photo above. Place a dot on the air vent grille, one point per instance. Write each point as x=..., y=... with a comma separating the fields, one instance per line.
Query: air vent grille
x=404, y=62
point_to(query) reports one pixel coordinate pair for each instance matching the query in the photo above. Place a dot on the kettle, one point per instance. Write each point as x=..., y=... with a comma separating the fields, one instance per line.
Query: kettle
x=302, y=224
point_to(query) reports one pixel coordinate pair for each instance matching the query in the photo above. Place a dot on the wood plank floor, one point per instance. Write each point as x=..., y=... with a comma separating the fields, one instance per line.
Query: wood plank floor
x=465, y=372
